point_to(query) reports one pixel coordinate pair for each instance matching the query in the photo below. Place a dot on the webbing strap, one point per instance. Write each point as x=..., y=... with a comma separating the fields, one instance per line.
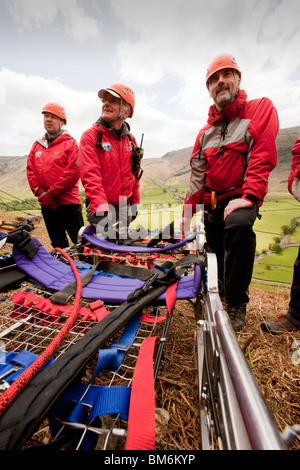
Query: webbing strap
x=62, y=297
x=141, y=419
x=102, y=400
x=111, y=358
x=16, y=363
x=135, y=404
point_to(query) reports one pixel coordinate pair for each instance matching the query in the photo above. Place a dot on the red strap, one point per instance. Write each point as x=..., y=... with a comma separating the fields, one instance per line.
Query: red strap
x=171, y=297
x=170, y=301
x=141, y=418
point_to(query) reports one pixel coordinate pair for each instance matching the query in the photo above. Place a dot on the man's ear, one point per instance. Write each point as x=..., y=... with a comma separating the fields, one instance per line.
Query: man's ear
x=126, y=110
x=238, y=80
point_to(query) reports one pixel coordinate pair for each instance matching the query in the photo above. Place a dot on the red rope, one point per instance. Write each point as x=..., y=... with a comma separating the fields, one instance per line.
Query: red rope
x=21, y=382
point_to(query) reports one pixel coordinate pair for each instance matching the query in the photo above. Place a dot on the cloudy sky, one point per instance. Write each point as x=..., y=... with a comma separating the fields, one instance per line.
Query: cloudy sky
x=65, y=51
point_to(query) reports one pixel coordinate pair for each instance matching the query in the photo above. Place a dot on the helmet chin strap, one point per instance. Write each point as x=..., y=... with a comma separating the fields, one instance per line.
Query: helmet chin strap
x=121, y=111
x=120, y=115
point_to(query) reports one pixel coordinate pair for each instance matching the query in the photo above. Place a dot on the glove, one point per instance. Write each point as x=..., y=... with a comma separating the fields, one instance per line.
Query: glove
x=133, y=212
x=296, y=189
x=46, y=198
x=102, y=223
x=94, y=219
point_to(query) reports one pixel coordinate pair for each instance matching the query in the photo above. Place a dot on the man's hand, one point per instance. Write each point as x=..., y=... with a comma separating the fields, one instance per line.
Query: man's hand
x=46, y=199
x=235, y=204
x=132, y=212
x=94, y=219
x=296, y=189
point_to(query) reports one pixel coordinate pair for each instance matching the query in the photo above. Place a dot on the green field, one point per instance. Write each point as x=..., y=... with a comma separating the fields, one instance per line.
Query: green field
x=276, y=212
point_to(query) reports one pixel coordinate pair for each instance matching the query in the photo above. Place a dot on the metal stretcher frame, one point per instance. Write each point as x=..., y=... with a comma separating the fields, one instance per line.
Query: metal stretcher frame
x=233, y=412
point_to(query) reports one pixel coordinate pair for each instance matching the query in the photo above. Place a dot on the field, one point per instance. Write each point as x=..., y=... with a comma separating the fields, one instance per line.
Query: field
x=276, y=212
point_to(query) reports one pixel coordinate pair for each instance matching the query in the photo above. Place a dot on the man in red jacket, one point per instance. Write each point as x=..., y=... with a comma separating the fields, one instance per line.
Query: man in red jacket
x=290, y=321
x=108, y=165
x=53, y=176
x=232, y=158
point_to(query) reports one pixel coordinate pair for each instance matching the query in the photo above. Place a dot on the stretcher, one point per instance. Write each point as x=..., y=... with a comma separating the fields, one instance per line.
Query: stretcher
x=96, y=388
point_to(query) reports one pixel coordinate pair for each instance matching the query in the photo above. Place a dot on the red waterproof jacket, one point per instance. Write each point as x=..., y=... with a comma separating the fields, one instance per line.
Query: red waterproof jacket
x=295, y=165
x=234, y=152
x=54, y=168
x=106, y=172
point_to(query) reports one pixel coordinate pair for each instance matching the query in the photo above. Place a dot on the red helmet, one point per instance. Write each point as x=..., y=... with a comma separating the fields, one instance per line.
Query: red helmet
x=120, y=90
x=224, y=61
x=57, y=109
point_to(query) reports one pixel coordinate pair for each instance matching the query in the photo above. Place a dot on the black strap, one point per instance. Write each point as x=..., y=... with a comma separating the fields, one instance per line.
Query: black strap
x=23, y=241
x=62, y=297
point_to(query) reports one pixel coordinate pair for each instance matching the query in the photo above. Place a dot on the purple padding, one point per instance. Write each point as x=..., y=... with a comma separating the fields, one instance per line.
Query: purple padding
x=55, y=275
x=89, y=236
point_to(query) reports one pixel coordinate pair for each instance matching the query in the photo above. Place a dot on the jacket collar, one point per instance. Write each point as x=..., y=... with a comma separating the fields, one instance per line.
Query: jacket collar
x=124, y=130
x=230, y=111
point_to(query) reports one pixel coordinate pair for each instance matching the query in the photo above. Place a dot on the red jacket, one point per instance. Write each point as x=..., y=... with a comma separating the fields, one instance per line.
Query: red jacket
x=234, y=152
x=295, y=165
x=54, y=167
x=106, y=173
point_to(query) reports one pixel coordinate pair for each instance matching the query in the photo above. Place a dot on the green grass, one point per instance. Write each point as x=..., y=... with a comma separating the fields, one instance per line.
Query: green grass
x=277, y=211
x=274, y=273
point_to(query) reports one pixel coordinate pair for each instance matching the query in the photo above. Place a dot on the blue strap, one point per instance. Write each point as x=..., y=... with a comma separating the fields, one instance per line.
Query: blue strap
x=21, y=361
x=102, y=400
x=112, y=357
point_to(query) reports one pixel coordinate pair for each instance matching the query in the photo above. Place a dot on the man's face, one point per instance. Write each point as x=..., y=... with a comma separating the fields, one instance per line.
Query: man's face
x=110, y=107
x=223, y=86
x=52, y=123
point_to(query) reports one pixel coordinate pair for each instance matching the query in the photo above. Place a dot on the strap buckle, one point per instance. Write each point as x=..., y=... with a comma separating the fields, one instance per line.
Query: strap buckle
x=143, y=289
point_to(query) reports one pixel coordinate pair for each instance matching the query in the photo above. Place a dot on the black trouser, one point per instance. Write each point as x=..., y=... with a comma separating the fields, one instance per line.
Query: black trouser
x=294, y=305
x=67, y=218
x=234, y=242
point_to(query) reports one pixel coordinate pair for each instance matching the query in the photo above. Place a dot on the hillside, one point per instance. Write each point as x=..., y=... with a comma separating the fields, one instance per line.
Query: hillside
x=171, y=170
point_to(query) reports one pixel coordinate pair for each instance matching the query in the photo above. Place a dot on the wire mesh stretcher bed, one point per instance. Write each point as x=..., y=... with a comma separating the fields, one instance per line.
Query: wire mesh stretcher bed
x=99, y=380
x=128, y=362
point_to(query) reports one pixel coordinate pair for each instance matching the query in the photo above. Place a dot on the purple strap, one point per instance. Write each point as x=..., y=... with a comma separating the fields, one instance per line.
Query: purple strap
x=55, y=275
x=88, y=235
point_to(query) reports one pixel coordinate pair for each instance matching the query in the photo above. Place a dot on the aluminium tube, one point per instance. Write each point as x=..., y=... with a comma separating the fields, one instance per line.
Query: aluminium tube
x=261, y=427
